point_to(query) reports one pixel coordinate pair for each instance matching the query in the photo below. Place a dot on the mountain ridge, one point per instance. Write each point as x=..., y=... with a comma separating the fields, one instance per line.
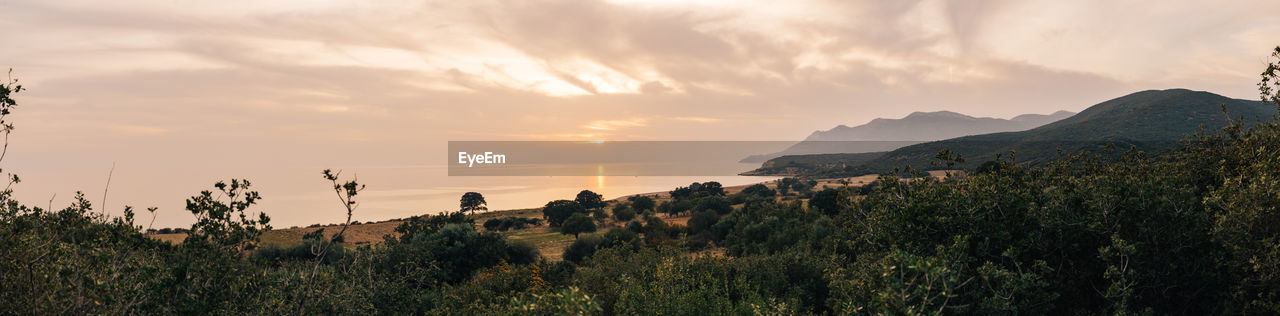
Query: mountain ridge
x=1149, y=120
x=883, y=134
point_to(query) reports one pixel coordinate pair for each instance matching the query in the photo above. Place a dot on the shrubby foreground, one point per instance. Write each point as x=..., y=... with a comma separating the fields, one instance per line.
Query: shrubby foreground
x=1192, y=232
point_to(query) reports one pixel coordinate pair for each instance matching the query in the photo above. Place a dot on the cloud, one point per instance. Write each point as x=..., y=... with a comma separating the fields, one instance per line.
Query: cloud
x=697, y=119
x=609, y=125
x=241, y=84
x=131, y=130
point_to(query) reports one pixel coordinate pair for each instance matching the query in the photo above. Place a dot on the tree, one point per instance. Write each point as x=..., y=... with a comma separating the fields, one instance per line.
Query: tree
x=784, y=185
x=642, y=203
x=826, y=201
x=759, y=190
x=675, y=208
x=715, y=203
x=702, y=220
x=472, y=202
x=589, y=199
x=577, y=224
x=556, y=212
x=697, y=190
x=712, y=188
x=623, y=213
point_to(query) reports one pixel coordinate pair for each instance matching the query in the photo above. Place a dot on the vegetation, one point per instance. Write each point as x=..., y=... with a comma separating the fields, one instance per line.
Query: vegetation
x=698, y=190
x=759, y=190
x=472, y=202
x=1194, y=230
x=578, y=224
x=642, y=203
x=556, y=212
x=623, y=212
x=589, y=200
x=510, y=222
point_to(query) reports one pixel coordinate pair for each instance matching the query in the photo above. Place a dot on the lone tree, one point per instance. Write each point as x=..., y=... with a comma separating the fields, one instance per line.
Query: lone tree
x=472, y=202
x=577, y=224
x=556, y=212
x=590, y=199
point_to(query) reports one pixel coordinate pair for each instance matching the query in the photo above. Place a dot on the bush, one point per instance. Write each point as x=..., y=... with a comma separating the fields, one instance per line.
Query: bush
x=582, y=248
x=619, y=237
x=702, y=221
x=623, y=213
x=510, y=222
x=449, y=254
x=635, y=227
x=493, y=224
x=272, y=254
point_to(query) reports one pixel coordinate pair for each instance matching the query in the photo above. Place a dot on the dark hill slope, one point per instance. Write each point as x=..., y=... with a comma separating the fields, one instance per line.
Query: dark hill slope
x=888, y=134
x=1151, y=121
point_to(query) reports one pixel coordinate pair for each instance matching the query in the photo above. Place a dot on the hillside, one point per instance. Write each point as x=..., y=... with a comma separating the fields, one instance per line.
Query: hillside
x=883, y=134
x=928, y=126
x=1152, y=120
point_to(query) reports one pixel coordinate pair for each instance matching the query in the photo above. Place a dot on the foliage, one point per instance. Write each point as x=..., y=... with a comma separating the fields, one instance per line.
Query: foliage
x=510, y=222
x=1190, y=231
x=759, y=190
x=826, y=201
x=556, y=212
x=273, y=254
x=698, y=190
x=223, y=224
x=590, y=200
x=472, y=202
x=449, y=254
x=578, y=224
x=568, y=301
x=429, y=224
x=702, y=221
x=718, y=204
x=642, y=203
x=623, y=212
x=582, y=248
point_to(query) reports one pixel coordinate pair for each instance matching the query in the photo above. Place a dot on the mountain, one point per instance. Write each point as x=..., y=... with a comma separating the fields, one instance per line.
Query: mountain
x=928, y=126
x=887, y=134
x=1151, y=121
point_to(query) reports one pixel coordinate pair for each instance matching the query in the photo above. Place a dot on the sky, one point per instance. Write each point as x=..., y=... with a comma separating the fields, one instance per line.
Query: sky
x=187, y=91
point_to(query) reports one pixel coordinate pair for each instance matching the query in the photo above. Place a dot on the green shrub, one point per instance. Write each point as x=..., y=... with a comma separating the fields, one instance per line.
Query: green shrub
x=623, y=213
x=582, y=248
